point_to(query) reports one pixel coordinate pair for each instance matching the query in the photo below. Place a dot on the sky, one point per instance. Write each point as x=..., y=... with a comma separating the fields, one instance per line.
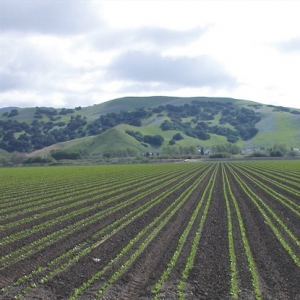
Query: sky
x=79, y=53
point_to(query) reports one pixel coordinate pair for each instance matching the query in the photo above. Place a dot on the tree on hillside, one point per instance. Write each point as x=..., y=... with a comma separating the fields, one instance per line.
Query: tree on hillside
x=13, y=113
x=280, y=147
x=276, y=153
x=228, y=148
x=64, y=154
x=155, y=140
x=177, y=137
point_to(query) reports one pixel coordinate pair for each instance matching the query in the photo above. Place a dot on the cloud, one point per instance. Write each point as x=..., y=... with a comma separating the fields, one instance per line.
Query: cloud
x=167, y=37
x=26, y=59
x=25, y=66
x=50, y=17
x=107, y=38
x=292, y=45
x=35, y=75
x=180, y=71
x=10, y=82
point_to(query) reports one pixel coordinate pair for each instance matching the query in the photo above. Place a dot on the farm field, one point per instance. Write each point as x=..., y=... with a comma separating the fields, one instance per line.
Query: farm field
x=207, y=230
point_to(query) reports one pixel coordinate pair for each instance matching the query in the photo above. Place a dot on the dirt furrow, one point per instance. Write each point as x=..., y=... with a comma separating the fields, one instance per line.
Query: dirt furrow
x=63, y=284
x=153, y=261
x=210, y=276
x=278, y=274
x=59, y=247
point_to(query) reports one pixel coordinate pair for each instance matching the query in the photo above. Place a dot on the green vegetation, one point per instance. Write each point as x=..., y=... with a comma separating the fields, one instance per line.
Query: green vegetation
x=255, y=279
x=66, y=216
x=39, y=160
x=162, y=121
x=272, y=219
x=227, y=148
x=234, y=290
x=64, y=154
x=195, y=244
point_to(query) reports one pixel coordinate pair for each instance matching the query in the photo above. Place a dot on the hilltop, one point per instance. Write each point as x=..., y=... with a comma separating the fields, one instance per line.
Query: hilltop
x=135, y=125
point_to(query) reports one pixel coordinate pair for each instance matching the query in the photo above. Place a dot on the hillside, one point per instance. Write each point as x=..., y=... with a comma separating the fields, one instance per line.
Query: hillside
x=148, y=124
x=3, y=153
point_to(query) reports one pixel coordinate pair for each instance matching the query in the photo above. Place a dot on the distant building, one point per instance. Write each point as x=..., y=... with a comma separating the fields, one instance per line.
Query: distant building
x=247, y=151
x=250, y=151
x=206, y=152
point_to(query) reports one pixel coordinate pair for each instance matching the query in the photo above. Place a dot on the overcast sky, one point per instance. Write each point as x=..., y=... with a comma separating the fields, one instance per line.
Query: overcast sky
x=70, y=53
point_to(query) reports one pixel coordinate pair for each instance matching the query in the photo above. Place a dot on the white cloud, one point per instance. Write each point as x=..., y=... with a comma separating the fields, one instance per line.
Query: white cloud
x=292, y=45
x=105, y=39
x=63, y=52
x=177, y=71
x=48, y=17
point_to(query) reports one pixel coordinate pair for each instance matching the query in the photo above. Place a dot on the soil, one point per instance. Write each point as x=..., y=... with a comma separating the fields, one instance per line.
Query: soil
x=210, y=276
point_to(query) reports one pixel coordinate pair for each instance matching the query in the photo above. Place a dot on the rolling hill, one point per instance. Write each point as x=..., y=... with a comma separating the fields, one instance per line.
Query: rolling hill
x=201, y=121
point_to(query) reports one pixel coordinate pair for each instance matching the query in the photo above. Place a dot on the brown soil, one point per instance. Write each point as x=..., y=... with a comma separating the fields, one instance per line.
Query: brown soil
x=209, y=278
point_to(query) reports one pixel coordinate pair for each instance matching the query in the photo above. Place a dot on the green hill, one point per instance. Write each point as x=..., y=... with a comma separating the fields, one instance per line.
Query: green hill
x=114, y=138
x=112, y=125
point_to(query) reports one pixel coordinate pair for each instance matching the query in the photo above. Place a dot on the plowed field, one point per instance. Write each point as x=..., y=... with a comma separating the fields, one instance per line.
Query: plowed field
x=224, y=230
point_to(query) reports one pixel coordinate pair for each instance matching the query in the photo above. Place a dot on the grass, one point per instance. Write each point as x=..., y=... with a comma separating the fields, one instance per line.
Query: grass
x=275, y=127
x=278, y=127
x=114, y=138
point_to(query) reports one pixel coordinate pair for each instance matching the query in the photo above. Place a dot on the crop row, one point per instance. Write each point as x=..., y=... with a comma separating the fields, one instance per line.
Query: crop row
x=148, y=233
x=80, y=250
x=49, y=194
x=234, y=288
x=74, y=199
x=284, y=234
x=133, y=210
x=279, y=180
x=71, y=228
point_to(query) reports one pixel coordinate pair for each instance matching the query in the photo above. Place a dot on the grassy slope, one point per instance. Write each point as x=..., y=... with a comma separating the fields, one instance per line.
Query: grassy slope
x=73, y=144
x=111, y=139
x=131, y=103
x=167, y=135
x=275, y=127
x=126, y=103
x=116, y=138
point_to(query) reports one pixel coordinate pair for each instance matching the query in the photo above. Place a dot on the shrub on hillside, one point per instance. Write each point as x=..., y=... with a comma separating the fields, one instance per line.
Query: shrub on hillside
x=292, y=153
x=39, y=160
x=220, y=155
x=177, y=137
x=258, y=154
x=65, y=154
x=276, y=153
